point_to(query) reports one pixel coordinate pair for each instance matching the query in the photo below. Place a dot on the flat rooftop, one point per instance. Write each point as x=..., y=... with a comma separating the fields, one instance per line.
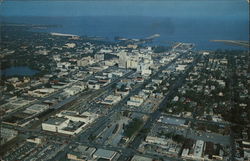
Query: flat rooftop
x=55, y=120
x=105, y=154
x=172, y=121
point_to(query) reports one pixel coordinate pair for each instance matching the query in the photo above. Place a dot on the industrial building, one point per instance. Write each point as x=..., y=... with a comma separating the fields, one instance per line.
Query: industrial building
x=69, y=122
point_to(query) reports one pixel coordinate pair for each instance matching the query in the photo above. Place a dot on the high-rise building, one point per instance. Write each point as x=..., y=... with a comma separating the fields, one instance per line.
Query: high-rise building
x=122, y=60
x=143, y=68
x=132, y=62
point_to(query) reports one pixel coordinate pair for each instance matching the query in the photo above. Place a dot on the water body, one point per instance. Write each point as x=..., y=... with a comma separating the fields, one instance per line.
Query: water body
x=18, y=71
x=195, y=21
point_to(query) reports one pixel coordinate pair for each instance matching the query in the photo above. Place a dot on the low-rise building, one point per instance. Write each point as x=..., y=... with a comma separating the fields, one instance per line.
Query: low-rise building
x=74, y=89
x=13, y=104
x=54, y=123
x=36, y=140
x=156, y=140
x=111, y=99
x=173, y=121
x=141, y=158
x=7, y=135
x=92, y=84
x=99, y=57
x=198, y=150
x=85, y=61
x=36, y=109
x=81, y=153
x=135, y=101
x=181, y=67
x=104, y=154
x=69, y=122
x=86, y=117
x=41, y=92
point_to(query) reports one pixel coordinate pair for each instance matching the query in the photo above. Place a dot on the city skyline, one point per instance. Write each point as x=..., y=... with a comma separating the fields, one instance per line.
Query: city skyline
x=124, y=80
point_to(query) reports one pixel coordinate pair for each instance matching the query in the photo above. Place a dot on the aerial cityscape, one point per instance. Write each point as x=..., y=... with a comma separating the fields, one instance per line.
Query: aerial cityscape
x=124, y=80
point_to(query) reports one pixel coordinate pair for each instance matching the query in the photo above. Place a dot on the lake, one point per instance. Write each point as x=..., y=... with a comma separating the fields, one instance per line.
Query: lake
x=18, y=71
x=175, y=20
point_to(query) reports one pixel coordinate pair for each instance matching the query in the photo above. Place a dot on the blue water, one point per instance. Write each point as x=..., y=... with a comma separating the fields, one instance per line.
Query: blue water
x=19, y=70
x=175, y=20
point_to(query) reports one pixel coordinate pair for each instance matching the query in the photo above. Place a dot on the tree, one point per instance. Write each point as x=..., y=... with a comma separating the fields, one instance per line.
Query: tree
x=178, y=138
x=132, y=127
x=10, y=87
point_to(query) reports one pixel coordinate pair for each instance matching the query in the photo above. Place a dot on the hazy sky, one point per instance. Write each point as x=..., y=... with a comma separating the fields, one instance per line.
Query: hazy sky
x=174, y=8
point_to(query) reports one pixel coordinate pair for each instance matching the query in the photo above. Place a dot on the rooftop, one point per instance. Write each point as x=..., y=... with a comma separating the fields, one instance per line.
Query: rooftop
x=103, y=153
x=172, y=121
x=55, y=120
x=140, y=158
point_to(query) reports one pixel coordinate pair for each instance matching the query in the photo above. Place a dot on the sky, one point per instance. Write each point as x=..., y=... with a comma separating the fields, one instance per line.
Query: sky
x=236, y=9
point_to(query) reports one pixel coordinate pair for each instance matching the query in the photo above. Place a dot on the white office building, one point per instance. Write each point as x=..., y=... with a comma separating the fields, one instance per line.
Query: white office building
x=122, y=60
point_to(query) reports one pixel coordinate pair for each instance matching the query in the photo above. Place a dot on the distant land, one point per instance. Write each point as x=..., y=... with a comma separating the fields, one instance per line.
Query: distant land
x=234, y=42
x=61, y=34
